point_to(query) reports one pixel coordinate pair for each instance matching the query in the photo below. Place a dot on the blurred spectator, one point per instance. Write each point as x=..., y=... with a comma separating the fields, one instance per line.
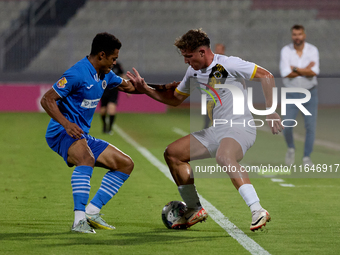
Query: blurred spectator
x=219, y=49
x=299, y=66
x=109, y=103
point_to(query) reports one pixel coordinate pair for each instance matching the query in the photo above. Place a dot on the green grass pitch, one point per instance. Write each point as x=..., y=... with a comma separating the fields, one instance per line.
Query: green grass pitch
x=37, y=208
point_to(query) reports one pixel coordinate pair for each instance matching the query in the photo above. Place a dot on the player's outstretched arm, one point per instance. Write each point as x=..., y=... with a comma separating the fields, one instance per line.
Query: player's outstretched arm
x=127, y=87
x=268, y=83
x=167, y=95
x=48, y=102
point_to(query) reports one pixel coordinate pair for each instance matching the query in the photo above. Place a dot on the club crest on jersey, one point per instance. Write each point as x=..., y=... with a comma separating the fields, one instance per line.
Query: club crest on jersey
x=104, y=84
x=61, y=83
x=217, y=75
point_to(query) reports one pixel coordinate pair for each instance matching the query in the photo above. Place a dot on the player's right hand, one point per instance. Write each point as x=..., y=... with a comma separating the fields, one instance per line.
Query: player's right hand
x=73, y=130
x=137, y=80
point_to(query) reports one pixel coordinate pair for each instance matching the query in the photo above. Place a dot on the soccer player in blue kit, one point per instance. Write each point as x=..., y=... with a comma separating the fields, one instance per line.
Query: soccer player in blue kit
x=71, y=103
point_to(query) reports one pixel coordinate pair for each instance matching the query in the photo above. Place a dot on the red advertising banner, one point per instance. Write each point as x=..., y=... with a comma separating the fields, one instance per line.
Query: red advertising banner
x=25, y=97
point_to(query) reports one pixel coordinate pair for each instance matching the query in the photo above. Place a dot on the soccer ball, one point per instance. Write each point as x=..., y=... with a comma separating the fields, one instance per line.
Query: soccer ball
x=173, y=211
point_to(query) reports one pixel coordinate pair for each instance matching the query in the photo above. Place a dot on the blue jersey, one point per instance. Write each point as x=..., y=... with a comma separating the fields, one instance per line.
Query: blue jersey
x=80, y=89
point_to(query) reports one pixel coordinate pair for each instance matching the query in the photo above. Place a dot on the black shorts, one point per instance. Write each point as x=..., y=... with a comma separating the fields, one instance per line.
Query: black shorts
x=110, y=95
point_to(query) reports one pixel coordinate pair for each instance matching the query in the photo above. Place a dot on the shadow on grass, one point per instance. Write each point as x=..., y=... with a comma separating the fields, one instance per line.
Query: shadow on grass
x=59, y=238
x=154, y=237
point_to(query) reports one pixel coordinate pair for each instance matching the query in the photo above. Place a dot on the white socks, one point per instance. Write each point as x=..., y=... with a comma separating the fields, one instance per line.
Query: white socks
x=189, y=195
x=78, y=216
x=249, y=195
x=92, y=209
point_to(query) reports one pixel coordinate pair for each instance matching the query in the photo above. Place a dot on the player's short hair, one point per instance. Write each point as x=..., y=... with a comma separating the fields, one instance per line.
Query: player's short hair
x=105, y=42
x=192, y=39
x=297, y=27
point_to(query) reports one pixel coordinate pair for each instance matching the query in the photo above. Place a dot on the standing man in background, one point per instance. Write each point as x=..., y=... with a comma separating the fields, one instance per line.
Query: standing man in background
x=299, y=66
x=108, y=102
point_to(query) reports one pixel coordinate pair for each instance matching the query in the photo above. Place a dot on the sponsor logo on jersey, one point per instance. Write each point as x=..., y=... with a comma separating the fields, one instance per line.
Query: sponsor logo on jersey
x=104, y=84
x=88, y=103
x=61, y=83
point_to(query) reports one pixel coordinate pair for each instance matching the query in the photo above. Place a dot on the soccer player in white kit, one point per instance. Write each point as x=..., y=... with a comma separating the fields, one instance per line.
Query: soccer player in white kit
x=226, y=143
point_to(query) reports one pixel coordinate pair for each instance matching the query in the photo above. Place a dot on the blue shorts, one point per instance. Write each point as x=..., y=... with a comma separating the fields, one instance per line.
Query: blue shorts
x=61, y=142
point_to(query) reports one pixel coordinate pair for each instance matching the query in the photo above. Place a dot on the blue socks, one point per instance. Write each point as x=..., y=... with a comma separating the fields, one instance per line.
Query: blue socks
x=111, y=183
x=80, y=182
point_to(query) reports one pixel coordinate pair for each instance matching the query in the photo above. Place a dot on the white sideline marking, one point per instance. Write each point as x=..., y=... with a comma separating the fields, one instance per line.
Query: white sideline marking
x=317, y=186
x=287, y=185
x=277, y=180
x=248, y=243
x=179, y=131
x=282, y=184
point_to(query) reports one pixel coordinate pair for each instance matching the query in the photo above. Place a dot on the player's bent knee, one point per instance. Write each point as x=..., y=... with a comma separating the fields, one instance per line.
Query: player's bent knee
x=130, y=165
x=166, y=153
x=126, y=165
x=171, y=154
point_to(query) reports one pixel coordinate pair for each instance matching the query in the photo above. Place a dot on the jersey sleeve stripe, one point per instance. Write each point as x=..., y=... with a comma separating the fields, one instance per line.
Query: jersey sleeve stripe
x=254, y=72
x=181, y=93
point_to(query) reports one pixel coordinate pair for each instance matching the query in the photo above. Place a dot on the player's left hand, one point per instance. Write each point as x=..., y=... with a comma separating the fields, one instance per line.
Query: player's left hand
x=137, y=80
x=274, y=122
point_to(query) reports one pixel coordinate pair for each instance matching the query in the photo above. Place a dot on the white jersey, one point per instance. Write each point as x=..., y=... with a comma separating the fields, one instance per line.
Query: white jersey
x=289, y=57
x=222, y=70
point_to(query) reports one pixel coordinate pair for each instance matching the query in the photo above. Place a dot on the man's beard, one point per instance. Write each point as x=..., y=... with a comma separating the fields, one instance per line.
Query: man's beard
x=298, y=42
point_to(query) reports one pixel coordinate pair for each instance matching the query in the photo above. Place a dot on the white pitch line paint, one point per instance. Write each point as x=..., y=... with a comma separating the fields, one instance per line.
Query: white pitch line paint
x=287, y=185
x=277, y=180
x=316, y=186
x=248, y=243
x=179, y=131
